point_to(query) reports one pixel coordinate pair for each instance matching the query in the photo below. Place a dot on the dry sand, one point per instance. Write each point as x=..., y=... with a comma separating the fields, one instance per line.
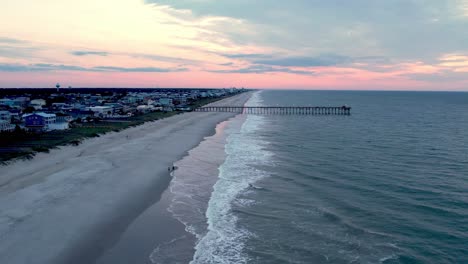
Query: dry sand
x=71, y=204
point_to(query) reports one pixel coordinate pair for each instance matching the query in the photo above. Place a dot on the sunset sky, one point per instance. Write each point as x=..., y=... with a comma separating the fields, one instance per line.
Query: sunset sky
x=301, y=44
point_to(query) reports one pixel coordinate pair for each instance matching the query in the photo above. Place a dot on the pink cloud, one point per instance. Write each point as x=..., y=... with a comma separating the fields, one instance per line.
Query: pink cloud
x=355, y=79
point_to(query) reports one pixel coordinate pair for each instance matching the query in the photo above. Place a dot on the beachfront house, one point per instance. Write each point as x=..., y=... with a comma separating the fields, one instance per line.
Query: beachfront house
x=145, y=108
x=102, y=111
x=39, y=121
x=185, y=108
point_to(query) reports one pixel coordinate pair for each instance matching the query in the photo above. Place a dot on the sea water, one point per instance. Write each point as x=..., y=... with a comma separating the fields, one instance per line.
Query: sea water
x=388, y=184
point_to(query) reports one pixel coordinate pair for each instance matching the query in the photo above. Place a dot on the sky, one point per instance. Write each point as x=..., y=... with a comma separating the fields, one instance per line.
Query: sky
x=295, y=44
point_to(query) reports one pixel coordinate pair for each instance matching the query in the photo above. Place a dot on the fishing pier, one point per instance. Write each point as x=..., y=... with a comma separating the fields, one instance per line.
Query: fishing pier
x=278, y=110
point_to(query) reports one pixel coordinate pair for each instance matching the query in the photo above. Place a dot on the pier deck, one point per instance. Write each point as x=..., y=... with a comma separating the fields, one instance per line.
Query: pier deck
x=279, y=110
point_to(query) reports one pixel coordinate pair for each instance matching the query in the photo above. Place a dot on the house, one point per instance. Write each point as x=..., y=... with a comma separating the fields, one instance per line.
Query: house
x=5, y=115
x=168, y=108
x=6, y=126
x=15, y=114
x=61, y=106
x=183, y=108
x=165, y=101
x=194, y=94
x=80, y=113
x=129, y=100
x=62, y=122
x=116, y=107
x=39, y=121
x=21, y=101
x=7, y=101
x=63, y=118
x=145, y=108
x=181, y=98
x=102, y=111
x=37, y=103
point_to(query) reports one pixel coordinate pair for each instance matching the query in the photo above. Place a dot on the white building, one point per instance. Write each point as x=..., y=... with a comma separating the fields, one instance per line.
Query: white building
x=145, y=108
x=37, y=103
x=102, y=110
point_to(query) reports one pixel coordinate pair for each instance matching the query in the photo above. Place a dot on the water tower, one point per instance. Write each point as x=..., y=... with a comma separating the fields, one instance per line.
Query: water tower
x=58, y=87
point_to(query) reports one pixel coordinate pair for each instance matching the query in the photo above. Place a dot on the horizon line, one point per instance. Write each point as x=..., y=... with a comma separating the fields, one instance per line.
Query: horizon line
x=269, y=89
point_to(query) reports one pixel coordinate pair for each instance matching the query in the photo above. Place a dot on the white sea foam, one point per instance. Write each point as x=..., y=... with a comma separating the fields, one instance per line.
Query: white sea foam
x=191, y=194
x=390, y=257
x=225, y=240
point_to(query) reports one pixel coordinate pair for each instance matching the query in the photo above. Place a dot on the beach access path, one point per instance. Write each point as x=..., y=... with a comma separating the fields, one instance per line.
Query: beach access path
x=79, y=199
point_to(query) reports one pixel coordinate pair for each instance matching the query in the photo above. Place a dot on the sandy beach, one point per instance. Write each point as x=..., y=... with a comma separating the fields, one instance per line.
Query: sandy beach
x=70, y=205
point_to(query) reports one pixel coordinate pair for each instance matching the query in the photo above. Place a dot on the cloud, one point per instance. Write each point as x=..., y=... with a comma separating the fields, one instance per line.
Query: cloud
x=440, y=78
x=137, y=69
x=38, y=67
x=324, y=60
x=16, y=48
x=10, y=40
x=260, y=69
x=60, y=67
x=358, y=40
x=320, y=61
x=355, y=28
x=7, y=51
x=86, y=53
x=248, y=56
x=156, y=57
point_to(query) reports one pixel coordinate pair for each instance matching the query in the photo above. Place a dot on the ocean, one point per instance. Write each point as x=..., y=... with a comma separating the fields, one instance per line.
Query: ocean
x=387, y=184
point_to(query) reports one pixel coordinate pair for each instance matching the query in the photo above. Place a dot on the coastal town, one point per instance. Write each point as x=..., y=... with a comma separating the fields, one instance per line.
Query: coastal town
x=37, y=120
x=43, y=110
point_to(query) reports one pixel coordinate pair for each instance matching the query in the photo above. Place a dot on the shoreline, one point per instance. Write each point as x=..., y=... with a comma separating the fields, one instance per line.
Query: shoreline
x=44, y=143
x=72, y=204
x=164, y=233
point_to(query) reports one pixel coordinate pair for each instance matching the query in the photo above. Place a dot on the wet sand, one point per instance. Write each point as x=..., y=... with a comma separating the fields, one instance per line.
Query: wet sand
x=168, y=230
x=72, y=204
